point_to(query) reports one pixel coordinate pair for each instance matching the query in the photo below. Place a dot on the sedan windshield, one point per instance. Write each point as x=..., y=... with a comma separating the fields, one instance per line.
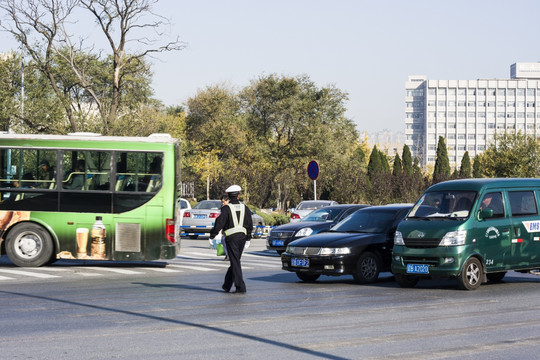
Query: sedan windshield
x=208, y=205
x=311, y=205
x=444, y=204
x=366, y=221
x=324, y=214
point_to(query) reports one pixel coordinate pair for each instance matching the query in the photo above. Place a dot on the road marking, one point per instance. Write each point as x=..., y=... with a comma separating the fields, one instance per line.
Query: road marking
x=6, y=278
x=191, y=267
x=115, y=270
x=162, y=270
x=28, y=273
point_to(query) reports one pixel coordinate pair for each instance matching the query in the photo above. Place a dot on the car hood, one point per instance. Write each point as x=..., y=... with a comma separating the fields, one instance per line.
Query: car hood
x=303, y=224
x=339, y=239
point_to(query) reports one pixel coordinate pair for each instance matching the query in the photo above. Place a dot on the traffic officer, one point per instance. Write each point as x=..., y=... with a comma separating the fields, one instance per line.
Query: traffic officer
x=236, y=222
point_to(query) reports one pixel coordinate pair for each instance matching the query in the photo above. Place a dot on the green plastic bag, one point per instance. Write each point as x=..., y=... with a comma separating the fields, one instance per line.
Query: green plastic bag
x=220, y=249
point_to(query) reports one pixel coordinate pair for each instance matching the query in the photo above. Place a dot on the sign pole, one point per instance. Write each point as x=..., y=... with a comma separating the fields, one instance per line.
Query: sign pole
x=315, y=189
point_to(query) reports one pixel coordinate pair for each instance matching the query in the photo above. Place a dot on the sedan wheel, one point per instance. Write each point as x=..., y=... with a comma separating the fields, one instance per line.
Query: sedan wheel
x=368, y=268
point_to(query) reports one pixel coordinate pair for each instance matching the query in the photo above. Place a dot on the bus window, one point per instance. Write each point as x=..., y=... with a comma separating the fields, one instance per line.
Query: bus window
x=138, y=171
x=86, y=170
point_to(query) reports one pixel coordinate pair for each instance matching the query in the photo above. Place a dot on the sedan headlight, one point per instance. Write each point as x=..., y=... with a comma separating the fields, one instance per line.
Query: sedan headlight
x=290, y=249
x=304, y=232
x=398, y=238
x=334, y=251
x=454, y=238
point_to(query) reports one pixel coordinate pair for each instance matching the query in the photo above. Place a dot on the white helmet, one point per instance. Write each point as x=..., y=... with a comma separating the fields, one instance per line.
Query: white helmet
x=233, y=189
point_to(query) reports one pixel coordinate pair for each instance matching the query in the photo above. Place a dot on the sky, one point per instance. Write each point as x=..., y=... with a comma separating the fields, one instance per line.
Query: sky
x=365, y=48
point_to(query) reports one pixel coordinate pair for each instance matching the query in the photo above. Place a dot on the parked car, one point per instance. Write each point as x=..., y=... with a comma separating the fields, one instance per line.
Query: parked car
x=359, y=245
x=317, y=221
x=201, y=218
x=181, y=206
x=307, y=206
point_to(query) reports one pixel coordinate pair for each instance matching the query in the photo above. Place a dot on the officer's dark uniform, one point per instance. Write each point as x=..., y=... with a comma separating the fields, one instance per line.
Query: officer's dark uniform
x=234, y=242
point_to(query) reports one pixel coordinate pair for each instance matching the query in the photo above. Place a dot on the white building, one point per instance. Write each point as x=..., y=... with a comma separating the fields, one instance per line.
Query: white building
x=469, y=113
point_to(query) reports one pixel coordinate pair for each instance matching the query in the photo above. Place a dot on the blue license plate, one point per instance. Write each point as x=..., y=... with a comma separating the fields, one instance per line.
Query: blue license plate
x=199, y=216
x=300, y=262
x=417, y=269
x=277, y=243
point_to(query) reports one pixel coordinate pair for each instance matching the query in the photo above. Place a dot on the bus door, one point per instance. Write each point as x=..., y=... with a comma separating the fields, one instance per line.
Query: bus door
x=525, y=234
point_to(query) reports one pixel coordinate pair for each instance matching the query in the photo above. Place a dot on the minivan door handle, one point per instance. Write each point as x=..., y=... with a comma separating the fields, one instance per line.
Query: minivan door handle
x=517, y=231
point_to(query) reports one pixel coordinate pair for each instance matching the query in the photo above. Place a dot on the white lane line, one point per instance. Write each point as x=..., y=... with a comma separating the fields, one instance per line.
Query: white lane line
x=161, y=270
x=200, y=268
x=6, y=278
x=244, y=256
x=259, y=264
x=114, y=270
x=28, y=273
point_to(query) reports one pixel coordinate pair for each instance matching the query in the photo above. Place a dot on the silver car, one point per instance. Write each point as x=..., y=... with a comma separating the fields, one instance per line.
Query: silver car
x=201, y=219
x=307, y=206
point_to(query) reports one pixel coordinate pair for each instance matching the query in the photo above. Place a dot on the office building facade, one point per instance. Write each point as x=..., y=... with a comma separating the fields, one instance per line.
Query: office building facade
x=470, y=113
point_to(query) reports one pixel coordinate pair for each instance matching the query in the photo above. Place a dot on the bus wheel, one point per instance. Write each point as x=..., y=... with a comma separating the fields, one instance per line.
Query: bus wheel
x=496, y=277
x=307, y=277
x=406, y=281
x=29, y=244
x=471, y=275
x=367, y=268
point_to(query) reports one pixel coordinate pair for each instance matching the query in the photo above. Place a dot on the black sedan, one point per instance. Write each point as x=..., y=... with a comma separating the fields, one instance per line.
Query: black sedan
x=318, y=220
x=359, y=245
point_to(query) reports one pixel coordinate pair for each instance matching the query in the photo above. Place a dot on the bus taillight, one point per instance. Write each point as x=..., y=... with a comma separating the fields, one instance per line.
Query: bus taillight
x=169, y=230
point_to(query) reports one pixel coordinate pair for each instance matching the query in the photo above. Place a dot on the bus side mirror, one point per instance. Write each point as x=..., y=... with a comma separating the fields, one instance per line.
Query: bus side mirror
x=485, y=214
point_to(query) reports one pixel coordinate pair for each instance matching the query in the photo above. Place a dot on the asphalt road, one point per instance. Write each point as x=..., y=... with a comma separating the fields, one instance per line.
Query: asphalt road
x=176, y=309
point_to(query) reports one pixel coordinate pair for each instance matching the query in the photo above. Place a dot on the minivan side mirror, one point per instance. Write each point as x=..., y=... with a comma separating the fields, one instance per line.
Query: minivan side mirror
x=485, y=214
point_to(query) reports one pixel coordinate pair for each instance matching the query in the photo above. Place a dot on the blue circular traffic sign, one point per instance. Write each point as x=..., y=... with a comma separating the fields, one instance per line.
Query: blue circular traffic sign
x=313, y=170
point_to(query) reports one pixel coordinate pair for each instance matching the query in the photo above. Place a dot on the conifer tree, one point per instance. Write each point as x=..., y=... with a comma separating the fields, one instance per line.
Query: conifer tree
x=398, y=167
x=407, y=160
x=442, y=163
x=477, y=167
x=465, y=170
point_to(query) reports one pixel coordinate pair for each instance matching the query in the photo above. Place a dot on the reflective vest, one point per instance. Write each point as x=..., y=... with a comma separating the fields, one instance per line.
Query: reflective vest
x=237, y=222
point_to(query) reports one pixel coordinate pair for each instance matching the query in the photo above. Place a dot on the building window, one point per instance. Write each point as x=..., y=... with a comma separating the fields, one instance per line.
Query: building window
x=481, y=92
x=530, y=92
x=491, y=104
x=501, y=115
x=521, y=115
x=491, y=92
x=530, y=104
x=471, y=103
x=521, y=104
x=530, y=115
x=461, y=91
x=441, y=91
x=461, y=114
x=441, y=102
x=481, y=114
x=520, y=92
x=461, y=137
x=501, y=92
x=511, y=104
x=451, y=92
x=510, y=115
x=471, y=147
x=431, y=91
x=500, y=103
x=431, y=103
x=471, y=136
x=511, y=92
x=461, y=103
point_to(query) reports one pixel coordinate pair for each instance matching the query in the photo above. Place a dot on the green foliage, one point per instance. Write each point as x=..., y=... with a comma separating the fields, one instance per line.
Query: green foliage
x=397, y=167
x=477, y=167
x=442, y=169
x=407, y=160
x=512, y=155
x=465, y=170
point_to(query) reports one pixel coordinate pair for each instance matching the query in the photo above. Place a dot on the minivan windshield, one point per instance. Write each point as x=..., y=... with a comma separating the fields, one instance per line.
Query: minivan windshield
x=444, y=204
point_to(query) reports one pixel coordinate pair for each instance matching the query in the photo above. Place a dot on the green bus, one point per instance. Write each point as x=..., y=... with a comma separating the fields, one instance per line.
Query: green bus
x=87, y=196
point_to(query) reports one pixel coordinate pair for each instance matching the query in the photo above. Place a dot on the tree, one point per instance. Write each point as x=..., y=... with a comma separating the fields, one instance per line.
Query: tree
x=465, y=170
x=477, y=167
x=512, y=155
x=442, y=169
x=397, y=167
x=41, y=27
x=407, y=160
x=293, y=121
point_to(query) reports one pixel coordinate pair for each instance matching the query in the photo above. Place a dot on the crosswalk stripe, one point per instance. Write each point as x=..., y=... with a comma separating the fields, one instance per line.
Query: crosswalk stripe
x=200, y=268
x=115, y=270
x=28, y=273
x=6, y=278
x=161, y=270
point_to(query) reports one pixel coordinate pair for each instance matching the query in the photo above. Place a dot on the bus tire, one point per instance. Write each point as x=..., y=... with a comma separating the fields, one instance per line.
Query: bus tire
x=29, y=245
x=406, y=281
x=368, y=268
x=470, y=277
x=307, y=277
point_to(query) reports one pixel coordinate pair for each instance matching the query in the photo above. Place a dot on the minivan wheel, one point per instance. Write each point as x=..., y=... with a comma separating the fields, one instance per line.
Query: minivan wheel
x=307, y=277
x=367, y=268
x=470, y=277
x=406, y=281
x=496, y=277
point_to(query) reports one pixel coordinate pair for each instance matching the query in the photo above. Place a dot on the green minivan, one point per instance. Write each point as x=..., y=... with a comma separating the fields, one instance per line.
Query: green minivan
x=474, y=230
